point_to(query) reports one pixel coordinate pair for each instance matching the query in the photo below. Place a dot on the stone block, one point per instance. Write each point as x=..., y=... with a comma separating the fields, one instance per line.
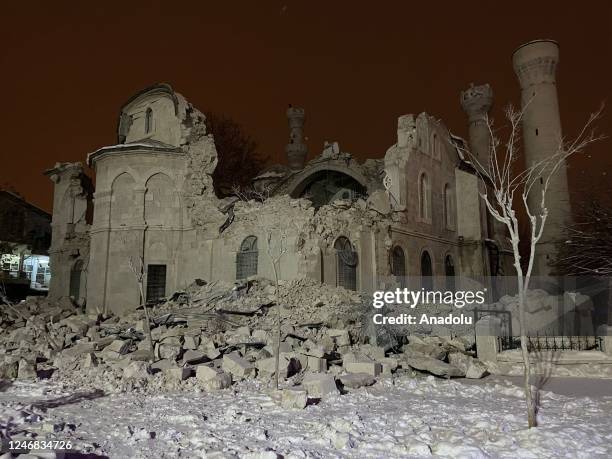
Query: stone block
x=26, y=370
x=294, y=399
x=192, y=342
x=430, y=350
x=140, y=355
x=218, y=382
x=178, y=374
x=355, y=357
x=9, y=369
x=341, y=337
x=356, y=380
x=119, y=346
x=370, y=368
x=89, y=360
x=193, y=357
x=261, y=336
x=316, y=365
x=213, y=354
x=433, y=366
x=162, y=364
x=487, y=330
x=80, y=349
x=205, y=372
x=320, y=385
x=374, y=352
x=136, y=370
x=237, y=366
x=168, y=351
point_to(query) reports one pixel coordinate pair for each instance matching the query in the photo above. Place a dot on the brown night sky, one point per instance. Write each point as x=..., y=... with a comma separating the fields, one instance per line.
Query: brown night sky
x=67, y=67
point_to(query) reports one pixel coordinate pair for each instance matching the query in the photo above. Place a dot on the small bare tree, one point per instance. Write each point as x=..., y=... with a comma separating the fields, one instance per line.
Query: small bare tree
x=504, y=187
x=276, y=248
x=139, y=270
x=275, y=254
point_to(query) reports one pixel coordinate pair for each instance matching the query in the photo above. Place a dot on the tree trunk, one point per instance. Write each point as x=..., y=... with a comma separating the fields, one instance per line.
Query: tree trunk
x=278, y=327
x=522, y=284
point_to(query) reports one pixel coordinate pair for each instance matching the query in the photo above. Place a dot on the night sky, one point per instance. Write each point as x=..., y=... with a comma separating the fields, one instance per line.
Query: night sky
x=67, y=67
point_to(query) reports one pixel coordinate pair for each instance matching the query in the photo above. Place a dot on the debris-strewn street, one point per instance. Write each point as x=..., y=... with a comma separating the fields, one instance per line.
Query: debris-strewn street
x=401, y=417
x=207, y=383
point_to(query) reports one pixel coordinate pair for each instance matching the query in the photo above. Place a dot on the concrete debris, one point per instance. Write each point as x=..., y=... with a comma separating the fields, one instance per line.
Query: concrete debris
x=26, y=370
x=473, y=368
x=369, y=368
x=213, y=334
x=357, y=380
x=319, y=385
x=233, y=363
x=294, y=398
x=433, y=366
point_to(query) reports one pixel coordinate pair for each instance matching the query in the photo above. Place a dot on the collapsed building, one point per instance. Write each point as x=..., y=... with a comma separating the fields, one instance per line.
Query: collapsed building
x=357, y=225
x=157, y=224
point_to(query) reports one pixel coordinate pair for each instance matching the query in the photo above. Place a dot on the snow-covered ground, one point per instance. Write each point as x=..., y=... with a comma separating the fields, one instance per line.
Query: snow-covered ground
x=405, y=417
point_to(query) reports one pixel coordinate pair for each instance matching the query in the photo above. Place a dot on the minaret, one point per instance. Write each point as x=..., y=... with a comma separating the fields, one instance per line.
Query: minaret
x=476, y=101
x=535, y=64
x=296, y=149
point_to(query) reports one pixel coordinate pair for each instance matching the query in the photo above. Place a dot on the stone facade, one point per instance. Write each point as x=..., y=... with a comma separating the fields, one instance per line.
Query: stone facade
x=416, y=213
x=154, y=205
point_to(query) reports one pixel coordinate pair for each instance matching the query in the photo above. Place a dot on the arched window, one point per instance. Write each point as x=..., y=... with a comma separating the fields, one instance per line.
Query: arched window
x=426, y=271
x=246, y=259
x=424, y=200
x=346, y=264
x=398, y=265
x=449, y=208
x=435, y=152
x=449, y=272
x=148, y=120
x=75, y=280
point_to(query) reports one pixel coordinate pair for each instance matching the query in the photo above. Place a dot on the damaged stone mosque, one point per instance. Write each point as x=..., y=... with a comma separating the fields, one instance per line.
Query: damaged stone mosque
x=361, y=225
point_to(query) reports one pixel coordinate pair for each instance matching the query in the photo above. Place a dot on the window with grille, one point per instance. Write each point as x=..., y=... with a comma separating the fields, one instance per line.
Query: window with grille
x=246, y=259
x=398, y=265
x=346, y=271
x=156, y=282
x=426, y=272
x=75, y=280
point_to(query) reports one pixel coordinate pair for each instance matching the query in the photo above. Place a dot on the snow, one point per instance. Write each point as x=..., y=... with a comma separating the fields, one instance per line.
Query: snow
x=400, y=417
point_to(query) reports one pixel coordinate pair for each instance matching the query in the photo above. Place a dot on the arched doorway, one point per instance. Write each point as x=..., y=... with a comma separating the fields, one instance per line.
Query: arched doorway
x=426, y=271
x=346, y=264
x=398, y=265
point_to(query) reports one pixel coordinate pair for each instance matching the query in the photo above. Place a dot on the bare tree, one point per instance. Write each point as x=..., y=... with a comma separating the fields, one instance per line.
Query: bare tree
x=275, y=254
x=506, y=189
x=276, y=248
x=239, y=159
x=139, y=270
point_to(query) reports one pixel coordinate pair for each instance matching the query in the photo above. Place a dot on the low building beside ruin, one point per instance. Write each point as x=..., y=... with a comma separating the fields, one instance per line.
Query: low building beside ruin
x=362, y=226
x=25, y=235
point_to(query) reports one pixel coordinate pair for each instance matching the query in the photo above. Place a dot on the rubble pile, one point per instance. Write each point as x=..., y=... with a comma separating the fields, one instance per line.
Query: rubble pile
x=214, y=334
